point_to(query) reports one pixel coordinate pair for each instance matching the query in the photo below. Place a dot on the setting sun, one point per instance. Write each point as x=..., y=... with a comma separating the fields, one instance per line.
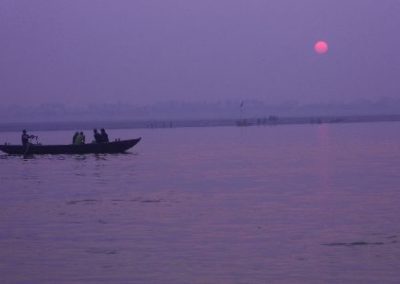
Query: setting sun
x=321, y=47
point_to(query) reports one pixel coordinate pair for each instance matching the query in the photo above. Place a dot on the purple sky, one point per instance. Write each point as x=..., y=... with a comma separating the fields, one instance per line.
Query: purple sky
x=146, y=51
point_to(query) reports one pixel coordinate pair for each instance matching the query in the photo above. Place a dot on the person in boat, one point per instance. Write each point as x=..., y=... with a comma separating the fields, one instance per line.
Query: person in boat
x=104, y=136
x=79, y=139
x=83, y=138
x=74, y=137
x=97, y=136
x=25, y=138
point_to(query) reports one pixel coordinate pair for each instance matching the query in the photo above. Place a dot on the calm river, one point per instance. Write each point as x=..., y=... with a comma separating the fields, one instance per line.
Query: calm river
x=274, y=204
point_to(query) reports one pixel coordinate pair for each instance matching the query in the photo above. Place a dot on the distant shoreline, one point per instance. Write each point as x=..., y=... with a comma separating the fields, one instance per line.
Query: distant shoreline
x=175, y=123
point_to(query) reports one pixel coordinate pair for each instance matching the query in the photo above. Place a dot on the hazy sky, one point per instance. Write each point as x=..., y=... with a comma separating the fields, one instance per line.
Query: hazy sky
x=145, y=51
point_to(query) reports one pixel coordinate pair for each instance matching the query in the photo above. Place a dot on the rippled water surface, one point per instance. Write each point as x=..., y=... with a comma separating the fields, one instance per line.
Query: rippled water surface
x=284, y=204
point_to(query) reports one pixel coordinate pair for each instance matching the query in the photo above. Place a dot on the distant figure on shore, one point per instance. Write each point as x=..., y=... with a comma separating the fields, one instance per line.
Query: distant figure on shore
x=25, y=138
x=104, y=136
x=74, y=137
x=97, y=136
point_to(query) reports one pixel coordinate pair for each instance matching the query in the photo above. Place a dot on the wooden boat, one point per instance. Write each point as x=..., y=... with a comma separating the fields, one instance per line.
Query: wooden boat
x=119, y=146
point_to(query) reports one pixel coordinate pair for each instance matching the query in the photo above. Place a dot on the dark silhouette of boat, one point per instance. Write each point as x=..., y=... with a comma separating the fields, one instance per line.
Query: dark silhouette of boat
x=119, y=146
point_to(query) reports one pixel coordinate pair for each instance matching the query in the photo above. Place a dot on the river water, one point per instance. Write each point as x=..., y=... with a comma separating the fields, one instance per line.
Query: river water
x=274, y=204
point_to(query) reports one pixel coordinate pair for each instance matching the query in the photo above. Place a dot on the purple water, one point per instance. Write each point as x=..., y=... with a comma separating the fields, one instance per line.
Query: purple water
x=283, y=204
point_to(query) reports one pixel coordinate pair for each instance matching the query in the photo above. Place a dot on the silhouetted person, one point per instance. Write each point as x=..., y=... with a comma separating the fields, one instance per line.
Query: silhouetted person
x=25, y=138
x=97, y=136
x=79, y=139
x=83, y=138
x=74, y=137
x=104, y=136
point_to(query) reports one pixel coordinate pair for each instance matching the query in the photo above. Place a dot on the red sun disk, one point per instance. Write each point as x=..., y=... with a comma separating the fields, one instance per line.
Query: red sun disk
x=321, y=47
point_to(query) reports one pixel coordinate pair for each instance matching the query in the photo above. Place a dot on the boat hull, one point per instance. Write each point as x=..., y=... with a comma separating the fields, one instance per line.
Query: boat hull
x=93, y=148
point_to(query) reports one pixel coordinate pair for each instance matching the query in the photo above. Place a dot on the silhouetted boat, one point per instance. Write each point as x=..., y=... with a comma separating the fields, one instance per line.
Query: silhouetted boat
x=92, y=148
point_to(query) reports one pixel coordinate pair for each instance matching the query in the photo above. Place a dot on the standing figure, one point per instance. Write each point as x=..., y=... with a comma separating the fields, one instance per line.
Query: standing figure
x=97, y=136
x=74, y=137
x=83, y=138
x=104, y=136
x=25, y=138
